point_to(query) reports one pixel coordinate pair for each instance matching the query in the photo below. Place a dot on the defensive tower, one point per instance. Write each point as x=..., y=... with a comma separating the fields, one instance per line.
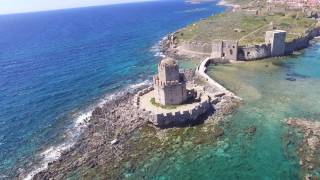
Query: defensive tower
x=277, y=40
x=169, y=83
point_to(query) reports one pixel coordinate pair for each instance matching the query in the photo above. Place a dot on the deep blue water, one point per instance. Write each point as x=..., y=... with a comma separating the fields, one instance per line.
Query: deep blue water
x=55, y=64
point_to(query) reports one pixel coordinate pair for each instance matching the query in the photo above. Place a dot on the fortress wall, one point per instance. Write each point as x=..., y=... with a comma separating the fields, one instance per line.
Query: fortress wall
x=227, y=49
x=254, y=52
x=301, y=42
x=182, y=117
x=200, y=47
x=202, y=71
x=170, y=119
x=297, y=44
x=216, y=49
x=230, y=50
x=136, y=98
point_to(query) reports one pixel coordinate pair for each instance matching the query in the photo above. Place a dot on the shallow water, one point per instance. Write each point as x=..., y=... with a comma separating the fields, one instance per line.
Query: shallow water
x=54, y=65
x=272, y=90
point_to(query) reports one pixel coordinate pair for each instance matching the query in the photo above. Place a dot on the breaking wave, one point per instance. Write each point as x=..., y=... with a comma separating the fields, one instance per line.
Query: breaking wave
x=81, y=121
x=156, y=49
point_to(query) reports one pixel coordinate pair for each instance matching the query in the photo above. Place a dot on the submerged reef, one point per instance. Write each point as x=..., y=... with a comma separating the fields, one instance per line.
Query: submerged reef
x=308, y=149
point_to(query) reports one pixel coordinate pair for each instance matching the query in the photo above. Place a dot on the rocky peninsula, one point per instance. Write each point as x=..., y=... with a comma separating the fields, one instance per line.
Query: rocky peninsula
x=241, y=33
x=110, y=143
x=119, y=137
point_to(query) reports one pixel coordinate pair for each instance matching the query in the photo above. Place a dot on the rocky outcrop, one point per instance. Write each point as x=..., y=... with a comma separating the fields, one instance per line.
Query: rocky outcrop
x=102, y=144
x=309, y=148
x=107, y=143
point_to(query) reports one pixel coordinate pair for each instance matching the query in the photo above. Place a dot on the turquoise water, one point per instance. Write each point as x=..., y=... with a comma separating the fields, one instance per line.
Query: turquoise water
x=54, y=66
x=272, y=90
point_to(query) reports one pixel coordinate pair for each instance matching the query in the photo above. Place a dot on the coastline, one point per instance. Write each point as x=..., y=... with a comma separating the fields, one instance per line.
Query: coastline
x=227, y=4
x=106, y=143
x=199, y=41
x=114, y=149
x=79, y=128
x=308, y=147
x=84, y=128
x=101, y=83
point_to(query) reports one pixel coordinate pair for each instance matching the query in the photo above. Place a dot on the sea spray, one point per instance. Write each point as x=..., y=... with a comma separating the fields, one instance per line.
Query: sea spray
x=50, y=72
x=54, y=152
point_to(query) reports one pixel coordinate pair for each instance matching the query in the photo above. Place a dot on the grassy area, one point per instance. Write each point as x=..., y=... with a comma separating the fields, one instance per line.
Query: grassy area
x=246, y=27
x=153, y=102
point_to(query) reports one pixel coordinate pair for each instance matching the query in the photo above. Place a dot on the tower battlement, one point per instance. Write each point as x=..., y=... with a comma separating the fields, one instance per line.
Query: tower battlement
x=169, y=84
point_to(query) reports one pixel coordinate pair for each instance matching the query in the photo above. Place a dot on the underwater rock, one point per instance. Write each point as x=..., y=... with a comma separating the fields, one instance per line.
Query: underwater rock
x=309, y=150
x=291, y=79
x=218, y=132
x=251, y=131
x=297, y=75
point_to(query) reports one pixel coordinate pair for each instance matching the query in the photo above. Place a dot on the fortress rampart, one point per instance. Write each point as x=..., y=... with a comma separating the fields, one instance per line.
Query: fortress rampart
x=174, y=118
x=202, y=72
x=302, y=42
x=253, y=52
x=223, y=48
x=182, y=117
x=274, y=46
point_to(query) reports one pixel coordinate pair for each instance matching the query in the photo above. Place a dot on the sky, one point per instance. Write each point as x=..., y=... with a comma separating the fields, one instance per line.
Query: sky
x=22, y=6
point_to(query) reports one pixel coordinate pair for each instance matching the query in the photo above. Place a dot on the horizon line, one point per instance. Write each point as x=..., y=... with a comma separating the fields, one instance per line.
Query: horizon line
x=70, y=8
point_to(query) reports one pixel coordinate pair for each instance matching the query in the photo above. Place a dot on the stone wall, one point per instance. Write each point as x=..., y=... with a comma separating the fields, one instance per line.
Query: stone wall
x=200, y=47
x=168, y=73
x=170, y=95
x=277, y=40
x=182, y=117
x=254, y=52
x=172, y=119
x=301, y=42
x=216, y=49
x=230, y=50
x=202, y=72
x=275, y=45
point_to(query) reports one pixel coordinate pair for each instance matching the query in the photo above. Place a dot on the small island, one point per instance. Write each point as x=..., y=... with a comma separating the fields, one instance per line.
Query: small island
x=169, y=102
x=250, y=30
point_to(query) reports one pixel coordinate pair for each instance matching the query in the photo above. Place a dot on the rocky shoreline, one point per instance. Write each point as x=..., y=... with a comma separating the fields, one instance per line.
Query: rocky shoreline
x=309, y=147
x=107, y=143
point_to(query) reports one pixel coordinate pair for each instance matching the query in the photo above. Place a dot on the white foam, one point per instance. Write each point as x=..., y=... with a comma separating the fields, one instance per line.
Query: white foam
x=156, y=49
x=53, y=153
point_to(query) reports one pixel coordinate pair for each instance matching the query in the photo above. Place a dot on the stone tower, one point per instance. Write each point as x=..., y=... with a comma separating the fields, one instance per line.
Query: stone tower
x=169, y=84
x=277, y=40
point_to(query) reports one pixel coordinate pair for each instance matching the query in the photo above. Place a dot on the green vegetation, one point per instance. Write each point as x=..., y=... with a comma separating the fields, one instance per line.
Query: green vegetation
x=153, y=102
x=246, y=27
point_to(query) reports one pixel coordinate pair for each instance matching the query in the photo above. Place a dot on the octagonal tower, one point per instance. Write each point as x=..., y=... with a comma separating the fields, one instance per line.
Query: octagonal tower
x=169, y=83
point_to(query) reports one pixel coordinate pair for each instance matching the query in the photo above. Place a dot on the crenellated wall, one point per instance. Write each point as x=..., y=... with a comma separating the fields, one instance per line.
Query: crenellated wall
x=275, y=45
x=182, y=117
x=176, y=118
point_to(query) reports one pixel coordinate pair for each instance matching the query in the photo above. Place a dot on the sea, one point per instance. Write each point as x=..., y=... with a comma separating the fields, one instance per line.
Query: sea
x=56, y=66
x=254, y=142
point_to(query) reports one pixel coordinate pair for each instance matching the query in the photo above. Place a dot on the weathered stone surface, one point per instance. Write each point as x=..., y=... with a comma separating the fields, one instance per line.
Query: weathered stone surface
x=309, y=148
